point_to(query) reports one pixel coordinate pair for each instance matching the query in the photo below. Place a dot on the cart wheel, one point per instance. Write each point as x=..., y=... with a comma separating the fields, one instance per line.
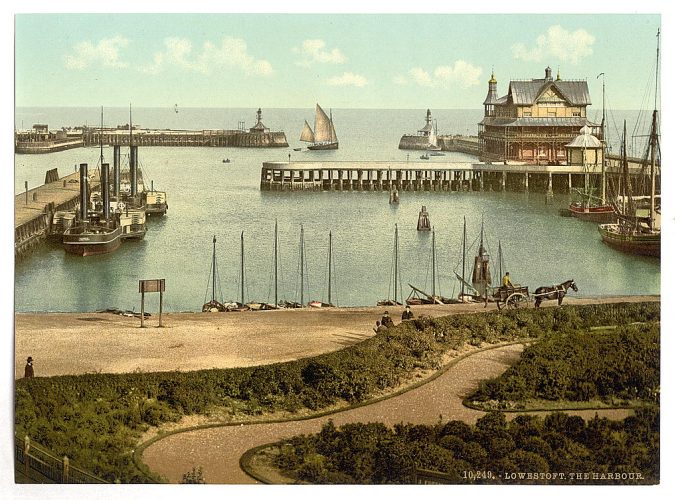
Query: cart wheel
x=516, y=300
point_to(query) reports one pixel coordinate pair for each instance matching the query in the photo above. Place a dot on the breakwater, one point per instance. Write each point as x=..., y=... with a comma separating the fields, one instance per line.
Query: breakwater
x=184, y=138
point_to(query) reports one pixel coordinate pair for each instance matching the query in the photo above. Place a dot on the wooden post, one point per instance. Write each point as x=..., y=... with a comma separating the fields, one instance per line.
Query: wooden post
x=160, y=312
x=27, y=448
x=142, y=309
x=26, y=186
x=64, y=478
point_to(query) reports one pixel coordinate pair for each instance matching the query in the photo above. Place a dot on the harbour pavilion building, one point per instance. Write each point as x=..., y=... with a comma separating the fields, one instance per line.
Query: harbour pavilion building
x=535, y=121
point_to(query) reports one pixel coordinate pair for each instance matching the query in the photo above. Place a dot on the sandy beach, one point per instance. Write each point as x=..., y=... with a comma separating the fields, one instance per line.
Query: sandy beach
x=76, y=343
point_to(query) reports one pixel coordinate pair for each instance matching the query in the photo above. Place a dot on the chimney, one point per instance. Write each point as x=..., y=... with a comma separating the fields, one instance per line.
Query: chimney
x=83, y=191
x=116, y=172
x=105, y=189
x=133, y=170
x=548, y=74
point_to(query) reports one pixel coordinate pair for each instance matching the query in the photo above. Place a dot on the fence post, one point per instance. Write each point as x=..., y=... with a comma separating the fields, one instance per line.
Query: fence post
x=65, y=474
x=27, y=447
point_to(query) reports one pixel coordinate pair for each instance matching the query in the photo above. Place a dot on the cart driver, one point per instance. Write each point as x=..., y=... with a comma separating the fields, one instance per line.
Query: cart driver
x=506, y=281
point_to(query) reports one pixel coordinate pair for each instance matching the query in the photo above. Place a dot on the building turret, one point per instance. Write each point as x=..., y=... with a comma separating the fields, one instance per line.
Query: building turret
x=491, y=96
x=548, y=74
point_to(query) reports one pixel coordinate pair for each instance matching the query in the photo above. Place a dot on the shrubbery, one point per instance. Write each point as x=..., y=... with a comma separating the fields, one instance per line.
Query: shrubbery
x=375, y=454
x=581, y=366
x=95, y=419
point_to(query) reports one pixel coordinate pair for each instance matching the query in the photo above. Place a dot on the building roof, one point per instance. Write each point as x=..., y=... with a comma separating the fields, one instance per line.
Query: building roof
x=525, y=121
x=585, y=140
x=523, y=93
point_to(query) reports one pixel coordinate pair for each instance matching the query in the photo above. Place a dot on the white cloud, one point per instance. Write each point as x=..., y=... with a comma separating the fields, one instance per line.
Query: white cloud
x=557, y=42
x=313, y=51
x=461, y=73
x=421, y=77
x=348, y=80
x=230, y=53
x=105, y=52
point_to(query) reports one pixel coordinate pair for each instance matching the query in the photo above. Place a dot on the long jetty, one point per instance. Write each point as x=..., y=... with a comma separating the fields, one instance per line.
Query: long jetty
x=425, y=176
x=34, y=209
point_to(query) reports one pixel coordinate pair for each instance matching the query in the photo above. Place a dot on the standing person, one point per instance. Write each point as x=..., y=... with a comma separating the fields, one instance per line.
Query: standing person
x=506, y=281
x=386, y=320
x=407, y=314
x=28, y=371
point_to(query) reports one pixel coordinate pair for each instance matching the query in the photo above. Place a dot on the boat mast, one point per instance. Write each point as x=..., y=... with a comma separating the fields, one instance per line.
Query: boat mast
x=242, y=273
x=302, y=263
x=330, y=256
x=500, y=264
x=653, y=140
x=214, y=268
x=434, y=292
x=101, y=139
x=396, y=259
x=276, y=262
x=462, y=282
x=604, y=151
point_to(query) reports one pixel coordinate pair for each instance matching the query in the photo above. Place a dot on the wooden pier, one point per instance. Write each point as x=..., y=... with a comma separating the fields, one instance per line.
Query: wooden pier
x=34, y=209
x=424, y=176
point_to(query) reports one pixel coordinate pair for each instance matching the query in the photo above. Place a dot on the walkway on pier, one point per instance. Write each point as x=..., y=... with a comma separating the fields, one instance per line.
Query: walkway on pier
x=431, y=175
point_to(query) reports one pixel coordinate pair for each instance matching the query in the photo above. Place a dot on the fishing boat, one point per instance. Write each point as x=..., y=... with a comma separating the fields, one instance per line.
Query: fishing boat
x=423, y=220
x=426, y=156
x=632, y=233
x=329, y=302
x=590, y=208
x=213, y=305
x=323, y=136
x=419, y=297
x=394, y=275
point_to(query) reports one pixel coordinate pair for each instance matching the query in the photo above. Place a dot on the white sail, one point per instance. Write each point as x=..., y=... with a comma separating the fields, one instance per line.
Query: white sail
x=323, y=127
x=307, y=135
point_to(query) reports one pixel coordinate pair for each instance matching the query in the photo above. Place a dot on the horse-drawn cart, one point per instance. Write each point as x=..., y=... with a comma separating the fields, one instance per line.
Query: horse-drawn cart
x=511, y=296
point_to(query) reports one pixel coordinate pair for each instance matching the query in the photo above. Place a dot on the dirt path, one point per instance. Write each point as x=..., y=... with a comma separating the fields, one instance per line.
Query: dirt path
x=75, y=343
x=218, y=450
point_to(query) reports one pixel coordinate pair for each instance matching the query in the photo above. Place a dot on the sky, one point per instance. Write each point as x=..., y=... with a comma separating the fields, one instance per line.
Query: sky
x=407, y=60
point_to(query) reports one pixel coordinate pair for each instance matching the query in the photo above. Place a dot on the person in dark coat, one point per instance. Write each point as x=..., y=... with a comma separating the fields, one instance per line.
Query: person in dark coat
x=28, y=371
x=386, y=320
x=407, y=314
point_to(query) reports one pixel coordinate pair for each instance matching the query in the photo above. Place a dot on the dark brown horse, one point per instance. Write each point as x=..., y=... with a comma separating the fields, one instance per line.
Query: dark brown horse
x=556, y=292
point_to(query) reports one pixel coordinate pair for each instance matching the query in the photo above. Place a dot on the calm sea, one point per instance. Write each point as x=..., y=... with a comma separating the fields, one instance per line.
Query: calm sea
x=207, y=197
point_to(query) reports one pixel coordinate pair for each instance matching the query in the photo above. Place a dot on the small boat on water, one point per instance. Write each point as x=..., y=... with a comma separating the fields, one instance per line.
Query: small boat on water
x=226, y=160
x=423, y=220
x=297, y=149
x=323, y=136
x=437, y=153
x=426, y=156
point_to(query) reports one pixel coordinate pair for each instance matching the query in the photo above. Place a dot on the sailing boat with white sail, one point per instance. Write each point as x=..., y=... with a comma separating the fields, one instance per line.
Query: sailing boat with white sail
x=323, y=136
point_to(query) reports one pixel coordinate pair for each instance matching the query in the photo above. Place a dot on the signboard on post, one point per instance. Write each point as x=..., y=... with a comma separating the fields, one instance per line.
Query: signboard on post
x=152, y=286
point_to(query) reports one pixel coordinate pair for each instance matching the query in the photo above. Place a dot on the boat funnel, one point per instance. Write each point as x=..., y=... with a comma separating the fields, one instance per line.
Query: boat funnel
x=105, y=190
x=116, y=172
x=133, y=170
x=83, y=191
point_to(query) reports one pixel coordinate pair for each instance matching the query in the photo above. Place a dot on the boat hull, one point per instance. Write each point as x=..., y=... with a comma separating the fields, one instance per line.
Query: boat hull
x=320, y=147
x=599, y=213
x=90, y=243
x=636, y=243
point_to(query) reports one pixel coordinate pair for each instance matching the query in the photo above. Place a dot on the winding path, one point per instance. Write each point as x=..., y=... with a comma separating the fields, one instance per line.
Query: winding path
x=218, y=449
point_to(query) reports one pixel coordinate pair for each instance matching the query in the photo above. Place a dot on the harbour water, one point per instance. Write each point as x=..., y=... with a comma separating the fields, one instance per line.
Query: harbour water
x=208, y=197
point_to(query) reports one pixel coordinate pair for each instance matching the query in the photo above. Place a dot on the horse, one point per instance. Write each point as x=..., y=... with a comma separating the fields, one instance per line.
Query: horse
x=554, y=292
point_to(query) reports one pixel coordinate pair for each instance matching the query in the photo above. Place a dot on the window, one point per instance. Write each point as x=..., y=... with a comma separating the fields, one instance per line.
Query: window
x=527, y=113
x=575, y=113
